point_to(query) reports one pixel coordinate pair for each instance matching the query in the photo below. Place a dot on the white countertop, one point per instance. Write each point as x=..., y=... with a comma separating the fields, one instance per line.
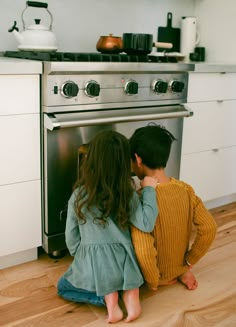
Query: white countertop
x=209, y=67
x=13, y=66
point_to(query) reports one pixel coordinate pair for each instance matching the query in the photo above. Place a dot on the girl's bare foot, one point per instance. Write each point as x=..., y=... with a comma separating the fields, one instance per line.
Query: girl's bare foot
x=132, y=304
x=189, y=280
x=115, y=313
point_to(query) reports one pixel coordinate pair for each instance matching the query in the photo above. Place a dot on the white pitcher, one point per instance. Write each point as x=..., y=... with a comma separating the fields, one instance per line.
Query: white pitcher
x=189, y=36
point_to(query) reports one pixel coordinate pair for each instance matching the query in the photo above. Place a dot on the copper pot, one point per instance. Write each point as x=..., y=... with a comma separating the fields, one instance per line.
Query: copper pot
x=109, y=44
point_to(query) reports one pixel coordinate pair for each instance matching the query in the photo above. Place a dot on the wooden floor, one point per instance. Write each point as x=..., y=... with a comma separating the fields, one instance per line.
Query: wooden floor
x=28, y=292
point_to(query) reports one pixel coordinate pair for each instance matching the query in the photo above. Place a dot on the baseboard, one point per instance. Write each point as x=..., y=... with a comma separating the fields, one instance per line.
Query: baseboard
x=221, y=201
x=18, y=258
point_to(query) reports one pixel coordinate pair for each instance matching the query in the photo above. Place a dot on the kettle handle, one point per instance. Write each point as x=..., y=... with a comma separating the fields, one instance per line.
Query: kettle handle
x=36, y=5
x=14, y=28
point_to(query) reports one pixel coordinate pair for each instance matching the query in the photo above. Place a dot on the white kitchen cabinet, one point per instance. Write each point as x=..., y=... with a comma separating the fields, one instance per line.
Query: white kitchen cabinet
x=211, y=127
x=19, y=94
x=20, y=184
x=20, y=217
x=212, y=173
x=20, y=148
x=211, y=86
x=209, y=137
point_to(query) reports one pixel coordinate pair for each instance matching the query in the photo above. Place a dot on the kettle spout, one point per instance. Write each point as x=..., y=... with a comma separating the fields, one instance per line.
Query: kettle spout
x=15, y=30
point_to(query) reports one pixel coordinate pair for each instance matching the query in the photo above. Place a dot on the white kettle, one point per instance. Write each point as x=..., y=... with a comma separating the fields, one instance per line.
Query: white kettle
x=189, y=36
x=36, y=37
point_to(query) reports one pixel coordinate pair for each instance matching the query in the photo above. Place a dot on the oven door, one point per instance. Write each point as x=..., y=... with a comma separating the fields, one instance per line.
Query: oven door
x=64, y=133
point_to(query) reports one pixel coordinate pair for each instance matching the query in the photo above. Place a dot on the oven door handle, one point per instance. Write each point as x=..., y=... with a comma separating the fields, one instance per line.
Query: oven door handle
x=79, y=119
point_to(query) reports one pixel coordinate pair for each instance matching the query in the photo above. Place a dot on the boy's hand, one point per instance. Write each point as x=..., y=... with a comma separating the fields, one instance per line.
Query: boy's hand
x=149, y=181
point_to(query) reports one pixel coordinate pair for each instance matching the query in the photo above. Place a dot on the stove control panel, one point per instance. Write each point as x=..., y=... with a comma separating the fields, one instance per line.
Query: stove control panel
x=116, y=89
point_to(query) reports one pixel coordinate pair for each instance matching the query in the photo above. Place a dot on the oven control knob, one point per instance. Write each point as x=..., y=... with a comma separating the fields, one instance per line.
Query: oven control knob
x=131, y=87
x=92, y=89
x=160, y=86
x=176, y=86
x=69, y=89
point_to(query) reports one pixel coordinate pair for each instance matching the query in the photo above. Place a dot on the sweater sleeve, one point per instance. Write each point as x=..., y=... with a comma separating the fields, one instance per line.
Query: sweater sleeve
x=146, y=254
x=144, y=209
x=72, y=232
x=205, y=232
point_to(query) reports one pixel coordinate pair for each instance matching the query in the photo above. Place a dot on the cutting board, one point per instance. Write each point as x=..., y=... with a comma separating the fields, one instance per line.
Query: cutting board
x=169, y=34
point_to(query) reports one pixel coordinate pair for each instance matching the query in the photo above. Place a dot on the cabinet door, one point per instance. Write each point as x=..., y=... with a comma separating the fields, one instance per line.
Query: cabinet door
x=20, y=217
x=211, y=86
x=19, y=94
x=211, y=127
x=20, y=148
x=211, y=173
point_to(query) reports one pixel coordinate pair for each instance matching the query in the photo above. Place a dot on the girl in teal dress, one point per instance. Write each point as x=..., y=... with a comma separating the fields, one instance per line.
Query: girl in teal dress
x=100, y=211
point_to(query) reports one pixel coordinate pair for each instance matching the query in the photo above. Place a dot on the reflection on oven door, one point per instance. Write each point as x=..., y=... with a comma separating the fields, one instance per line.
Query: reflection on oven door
x=61, y=167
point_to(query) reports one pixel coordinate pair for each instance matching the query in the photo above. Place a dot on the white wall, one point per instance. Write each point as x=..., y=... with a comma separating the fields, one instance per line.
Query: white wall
x=79, y=23
x=217, y=26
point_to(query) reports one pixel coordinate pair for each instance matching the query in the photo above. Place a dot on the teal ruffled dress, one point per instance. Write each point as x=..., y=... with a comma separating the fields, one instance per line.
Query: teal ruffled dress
x=104, y=257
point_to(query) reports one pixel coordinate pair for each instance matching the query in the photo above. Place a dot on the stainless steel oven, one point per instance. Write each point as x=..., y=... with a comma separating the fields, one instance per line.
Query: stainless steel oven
x=80, y=99
x=83, y=93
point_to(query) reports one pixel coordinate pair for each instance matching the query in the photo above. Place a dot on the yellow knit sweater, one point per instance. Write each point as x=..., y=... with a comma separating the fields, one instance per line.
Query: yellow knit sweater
x=162, y=253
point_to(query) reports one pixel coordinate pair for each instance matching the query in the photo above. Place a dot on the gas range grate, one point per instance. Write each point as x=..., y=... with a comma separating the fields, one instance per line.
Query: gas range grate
x=85, y=57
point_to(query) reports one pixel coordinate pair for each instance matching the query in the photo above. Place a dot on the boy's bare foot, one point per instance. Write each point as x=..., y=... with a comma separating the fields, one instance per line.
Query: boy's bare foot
x=115, y=313
x=132, y=304
x=189, y=280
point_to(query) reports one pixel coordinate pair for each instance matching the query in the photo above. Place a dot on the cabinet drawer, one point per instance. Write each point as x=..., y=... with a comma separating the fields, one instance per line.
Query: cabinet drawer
x=20, y=218
x=20, y=148
x=211, y=86
x=211, y=127
x=19, y=94
x=212, y=174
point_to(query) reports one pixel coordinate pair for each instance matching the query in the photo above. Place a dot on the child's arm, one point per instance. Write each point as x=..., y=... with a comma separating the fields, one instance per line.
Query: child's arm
x=72, y=232
x=206, y=232
x=146, y=254
x=144, y=209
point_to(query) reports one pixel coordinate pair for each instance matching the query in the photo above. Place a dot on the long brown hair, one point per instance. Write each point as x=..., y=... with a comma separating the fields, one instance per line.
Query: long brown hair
x=105, y=179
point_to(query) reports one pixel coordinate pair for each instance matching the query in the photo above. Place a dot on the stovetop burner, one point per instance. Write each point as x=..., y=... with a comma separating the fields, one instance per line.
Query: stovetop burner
x=86, y=57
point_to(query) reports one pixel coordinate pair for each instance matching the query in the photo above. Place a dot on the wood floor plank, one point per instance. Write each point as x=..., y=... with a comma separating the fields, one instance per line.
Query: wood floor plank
x=68, y=315
x=26, y=287
x=28, y=295
x=41, y=300
x=224, y=214
x=219, y=314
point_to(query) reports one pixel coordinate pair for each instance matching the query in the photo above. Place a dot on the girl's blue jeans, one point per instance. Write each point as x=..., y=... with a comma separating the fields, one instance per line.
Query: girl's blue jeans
x=71, y=293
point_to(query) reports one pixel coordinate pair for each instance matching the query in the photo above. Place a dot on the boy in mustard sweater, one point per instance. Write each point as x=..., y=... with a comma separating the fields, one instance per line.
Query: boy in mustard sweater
x=166, y=255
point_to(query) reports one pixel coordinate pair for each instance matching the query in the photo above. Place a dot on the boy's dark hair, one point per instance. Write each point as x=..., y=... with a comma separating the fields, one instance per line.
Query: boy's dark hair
x=153, y=144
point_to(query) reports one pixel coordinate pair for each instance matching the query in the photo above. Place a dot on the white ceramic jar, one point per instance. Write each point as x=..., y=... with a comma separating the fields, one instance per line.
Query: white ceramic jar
x=189, y=36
